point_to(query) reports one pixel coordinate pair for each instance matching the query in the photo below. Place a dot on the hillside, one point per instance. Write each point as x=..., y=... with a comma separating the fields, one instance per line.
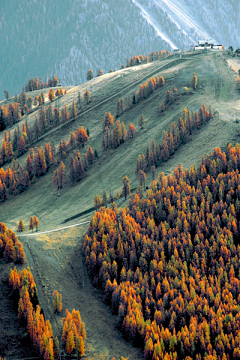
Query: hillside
x=213, y=89
x=56, y=259
x=68, y=39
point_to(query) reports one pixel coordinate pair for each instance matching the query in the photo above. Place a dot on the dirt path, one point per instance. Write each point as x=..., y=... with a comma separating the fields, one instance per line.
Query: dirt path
x=49, y=231
x=57, y=263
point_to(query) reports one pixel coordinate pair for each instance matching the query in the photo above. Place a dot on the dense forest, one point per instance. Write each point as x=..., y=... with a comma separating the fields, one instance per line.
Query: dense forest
x=168, y=263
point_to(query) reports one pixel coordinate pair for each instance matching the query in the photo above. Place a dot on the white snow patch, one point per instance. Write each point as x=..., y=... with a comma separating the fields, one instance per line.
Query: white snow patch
x=154, y=24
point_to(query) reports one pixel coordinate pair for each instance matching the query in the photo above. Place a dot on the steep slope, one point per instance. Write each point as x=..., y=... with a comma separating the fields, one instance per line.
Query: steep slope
x=69, y=38
x=187, y=21
x=216, y=87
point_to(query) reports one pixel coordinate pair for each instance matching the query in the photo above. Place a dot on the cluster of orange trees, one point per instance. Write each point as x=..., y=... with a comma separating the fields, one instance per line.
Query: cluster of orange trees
x=177, y=135
x=15, y=179
x=29, y=311
x=135, y=60
x=74, y=333
x=35, y=84
x=10, y=248
x=168, y=264
x=16, y=144
x=112, y=140
x=148, y=87
x=9, y=114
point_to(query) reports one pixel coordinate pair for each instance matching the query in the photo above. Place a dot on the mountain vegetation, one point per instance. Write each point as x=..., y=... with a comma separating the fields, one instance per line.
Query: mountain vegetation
x=168, y=263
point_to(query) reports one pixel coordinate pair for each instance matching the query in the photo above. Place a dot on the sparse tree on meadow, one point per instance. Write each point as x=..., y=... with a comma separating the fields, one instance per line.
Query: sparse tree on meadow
x=194, y=81
x=105, y=198
x=108, y=120
x=81, y=136
x=131, y=130
x=31, y=224
x=141, y=121
x=142, y=178
x=35, y=222
x=21, y=226
x=87, y=97
x=126, y=186
x=117, y=194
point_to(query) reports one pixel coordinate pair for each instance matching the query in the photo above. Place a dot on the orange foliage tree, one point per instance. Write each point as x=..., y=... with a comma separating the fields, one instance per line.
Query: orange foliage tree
x=168, y=263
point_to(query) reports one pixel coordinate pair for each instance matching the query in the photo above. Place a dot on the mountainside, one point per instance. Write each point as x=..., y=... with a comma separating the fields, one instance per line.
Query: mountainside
x=69, y=38
x=141, y=122
x=182, y=23
x=40, y=38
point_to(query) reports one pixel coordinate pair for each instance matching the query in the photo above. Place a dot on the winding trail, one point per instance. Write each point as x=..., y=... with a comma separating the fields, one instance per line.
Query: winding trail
x=49, y=231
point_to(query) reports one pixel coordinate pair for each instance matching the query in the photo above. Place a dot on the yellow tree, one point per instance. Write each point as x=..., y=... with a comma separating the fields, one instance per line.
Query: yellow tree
x=194, y=81
x=51, y=95
x=108, y=120
x=70, y=345
x=35, y=222
x=57, y=301
x=21, y=226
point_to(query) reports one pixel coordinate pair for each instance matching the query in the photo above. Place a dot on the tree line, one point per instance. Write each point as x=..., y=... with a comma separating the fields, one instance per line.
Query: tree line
x=177, y=135
x=39, y=160
x=152, y=56
x=168, y=264
x=10, y=248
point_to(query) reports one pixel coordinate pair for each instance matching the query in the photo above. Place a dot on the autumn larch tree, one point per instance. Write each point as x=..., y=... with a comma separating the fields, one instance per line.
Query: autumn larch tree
x=56, y=178
x=35, y=222
x=89, y=75
x=87, y=97
x=81, y=136
x=194, y=81
x=126, y=186
x=108, y=120
x=57, y=301
x=51, y=95
x=131, y=130
x=100, y=73
x=31, y=224
x=73, y=113
x=21, y=226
